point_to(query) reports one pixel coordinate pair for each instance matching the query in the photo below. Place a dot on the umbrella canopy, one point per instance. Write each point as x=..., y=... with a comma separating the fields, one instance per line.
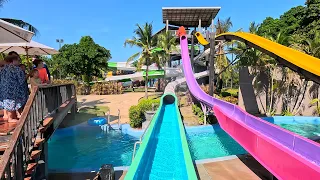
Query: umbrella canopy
x=27, y=48
x=10, y=33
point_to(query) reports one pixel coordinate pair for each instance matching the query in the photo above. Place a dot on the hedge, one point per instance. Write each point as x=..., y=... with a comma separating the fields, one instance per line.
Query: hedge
x=136, y=112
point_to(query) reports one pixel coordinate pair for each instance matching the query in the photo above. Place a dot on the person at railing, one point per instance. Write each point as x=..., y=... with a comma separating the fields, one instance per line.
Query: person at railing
x=34, y=79
x=43, y=75
x=44, y=65
x=13, y=94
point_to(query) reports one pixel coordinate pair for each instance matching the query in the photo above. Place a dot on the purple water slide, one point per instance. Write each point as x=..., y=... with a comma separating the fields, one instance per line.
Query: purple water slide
x=285, y=154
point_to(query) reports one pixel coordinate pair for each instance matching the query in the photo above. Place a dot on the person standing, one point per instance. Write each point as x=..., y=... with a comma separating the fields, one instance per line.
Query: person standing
x=12, y=87
x=43, y=75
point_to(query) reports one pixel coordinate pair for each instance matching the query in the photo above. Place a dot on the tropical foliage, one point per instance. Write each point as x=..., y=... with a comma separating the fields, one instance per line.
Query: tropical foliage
x=83, y=60
x=297, y=28
x=144, y=39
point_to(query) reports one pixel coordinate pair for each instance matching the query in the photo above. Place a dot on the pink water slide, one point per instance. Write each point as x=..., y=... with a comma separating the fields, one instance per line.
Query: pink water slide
x=285, y=154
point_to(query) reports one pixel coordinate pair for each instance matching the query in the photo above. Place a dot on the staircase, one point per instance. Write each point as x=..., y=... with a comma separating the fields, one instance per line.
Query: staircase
x=23, y=144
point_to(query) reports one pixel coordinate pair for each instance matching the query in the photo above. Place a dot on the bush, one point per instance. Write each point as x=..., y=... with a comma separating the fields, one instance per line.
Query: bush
x=136, y=112
x=98, y=88
x=225, y=94
x=135, y=116
x=233, y=92
x=230, y=99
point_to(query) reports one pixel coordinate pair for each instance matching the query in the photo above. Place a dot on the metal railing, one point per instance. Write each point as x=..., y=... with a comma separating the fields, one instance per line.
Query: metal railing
x=42, y=102
x=141, y=137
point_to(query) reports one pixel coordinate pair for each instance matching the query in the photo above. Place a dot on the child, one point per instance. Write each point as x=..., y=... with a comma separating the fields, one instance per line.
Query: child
x=35, y=79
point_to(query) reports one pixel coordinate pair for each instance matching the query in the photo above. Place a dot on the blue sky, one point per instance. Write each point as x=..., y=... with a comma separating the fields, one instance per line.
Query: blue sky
x=110, y=22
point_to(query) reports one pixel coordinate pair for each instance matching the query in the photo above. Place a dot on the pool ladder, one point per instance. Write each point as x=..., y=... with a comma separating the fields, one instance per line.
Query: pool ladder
x=107, y=126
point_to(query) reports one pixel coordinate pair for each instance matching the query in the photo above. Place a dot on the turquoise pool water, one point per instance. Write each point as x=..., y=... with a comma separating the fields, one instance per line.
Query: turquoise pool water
x=87, y=148
x=163, y=157
x=306, y=130
x=212, y=145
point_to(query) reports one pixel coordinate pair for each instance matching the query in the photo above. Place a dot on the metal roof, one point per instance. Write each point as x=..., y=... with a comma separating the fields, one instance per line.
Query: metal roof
x=189, y=16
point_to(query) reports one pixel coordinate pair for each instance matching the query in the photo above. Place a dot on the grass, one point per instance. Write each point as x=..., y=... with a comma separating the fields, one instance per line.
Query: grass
x=138, y=90
x=152, y=97
x=84, y=115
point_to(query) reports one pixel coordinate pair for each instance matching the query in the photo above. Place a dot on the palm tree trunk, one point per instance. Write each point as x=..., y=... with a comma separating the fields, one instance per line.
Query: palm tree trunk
x=146, y=81
x=271, y=91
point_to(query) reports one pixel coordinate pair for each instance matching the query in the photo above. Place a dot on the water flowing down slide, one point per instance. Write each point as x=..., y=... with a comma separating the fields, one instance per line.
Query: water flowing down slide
x=164, y=152
x=285, y=154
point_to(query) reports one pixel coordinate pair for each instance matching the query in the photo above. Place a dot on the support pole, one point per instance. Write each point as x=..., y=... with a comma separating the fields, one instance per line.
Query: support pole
x=199, y=27
x=192, y=49
x=167, y=25
x=211, y=64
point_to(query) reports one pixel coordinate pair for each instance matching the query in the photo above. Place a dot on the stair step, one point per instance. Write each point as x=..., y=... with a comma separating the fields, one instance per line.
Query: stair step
x=35, y=154
x=30, y=168
x=3, y=146
x=47, y=121
x=38, y=141
x=27, y=178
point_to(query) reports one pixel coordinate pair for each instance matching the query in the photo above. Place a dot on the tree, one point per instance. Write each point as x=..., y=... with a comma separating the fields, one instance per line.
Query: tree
x=18, y=22
x=221, y=61
x=166, y=41
x=86, y=59
x=145, y=40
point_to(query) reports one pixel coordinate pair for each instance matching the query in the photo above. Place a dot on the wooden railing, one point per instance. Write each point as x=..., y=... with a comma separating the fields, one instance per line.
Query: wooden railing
x=42, y=102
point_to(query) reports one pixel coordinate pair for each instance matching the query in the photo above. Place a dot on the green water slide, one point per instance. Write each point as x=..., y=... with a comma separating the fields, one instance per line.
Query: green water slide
x=164, y=151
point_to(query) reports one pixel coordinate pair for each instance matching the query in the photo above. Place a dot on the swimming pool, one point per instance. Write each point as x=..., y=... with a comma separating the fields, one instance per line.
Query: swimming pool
x=214, y=144
x=304, y=126
x=85, y=148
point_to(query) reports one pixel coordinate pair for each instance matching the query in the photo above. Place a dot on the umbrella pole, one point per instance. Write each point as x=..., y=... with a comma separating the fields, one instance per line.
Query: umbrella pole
x=29, y=64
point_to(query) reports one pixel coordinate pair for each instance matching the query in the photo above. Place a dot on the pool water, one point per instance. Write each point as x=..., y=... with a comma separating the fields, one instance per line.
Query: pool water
x=87, y=148
x=208, y=145
x=306, y=130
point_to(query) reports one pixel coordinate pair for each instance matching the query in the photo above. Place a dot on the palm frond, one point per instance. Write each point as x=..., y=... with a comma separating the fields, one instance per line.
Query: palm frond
x=133, y=57
x=22, y=24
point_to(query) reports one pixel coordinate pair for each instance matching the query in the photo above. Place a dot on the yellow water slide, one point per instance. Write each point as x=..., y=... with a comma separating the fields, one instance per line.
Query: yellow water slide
x=302, y=63
x=201, y=39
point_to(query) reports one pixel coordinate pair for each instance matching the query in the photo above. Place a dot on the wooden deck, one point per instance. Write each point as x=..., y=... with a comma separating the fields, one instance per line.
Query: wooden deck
x=232, y=169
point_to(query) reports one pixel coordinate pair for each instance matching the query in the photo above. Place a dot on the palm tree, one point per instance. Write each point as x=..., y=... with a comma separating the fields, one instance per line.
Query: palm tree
x=221, y=60
x=312, y=46
x=146, y=41
x=166, y=41
x=18, y=22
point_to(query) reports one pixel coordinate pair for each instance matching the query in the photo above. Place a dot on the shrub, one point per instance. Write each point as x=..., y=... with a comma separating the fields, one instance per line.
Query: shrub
x=230, y=99
x=136, y=112
x=233, y=92
x=225, y=94
x=135, y=116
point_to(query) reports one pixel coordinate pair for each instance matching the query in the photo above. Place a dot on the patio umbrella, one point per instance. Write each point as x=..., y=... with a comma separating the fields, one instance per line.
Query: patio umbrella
x=27, y=48
x=10, y=33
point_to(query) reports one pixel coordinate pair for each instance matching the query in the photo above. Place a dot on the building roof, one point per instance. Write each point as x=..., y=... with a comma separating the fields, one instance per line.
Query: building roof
x=189, y=16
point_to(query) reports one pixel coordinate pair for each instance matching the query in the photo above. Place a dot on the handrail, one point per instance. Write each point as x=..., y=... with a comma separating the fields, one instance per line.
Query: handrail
x=42, y=102
x=140, y=139
x=119, y=118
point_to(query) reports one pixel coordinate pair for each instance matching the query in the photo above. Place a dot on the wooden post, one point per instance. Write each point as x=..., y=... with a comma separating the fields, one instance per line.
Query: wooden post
x=211, y=64
x=192, y=50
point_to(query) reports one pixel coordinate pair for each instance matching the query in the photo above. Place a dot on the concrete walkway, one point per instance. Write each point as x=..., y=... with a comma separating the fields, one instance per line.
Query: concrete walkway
x=114, y=102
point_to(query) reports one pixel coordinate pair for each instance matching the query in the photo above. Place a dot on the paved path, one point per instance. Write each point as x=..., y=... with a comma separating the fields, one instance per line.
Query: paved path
x=114, y=102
